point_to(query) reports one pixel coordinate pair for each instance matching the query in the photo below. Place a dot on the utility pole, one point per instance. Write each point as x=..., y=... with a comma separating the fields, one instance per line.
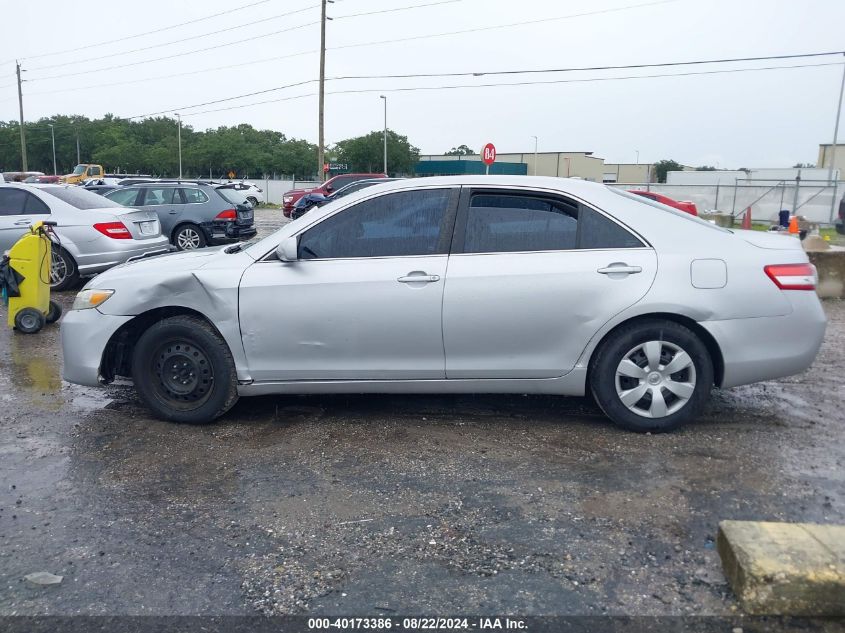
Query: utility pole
x=53, y=136
x=77, y=147
x=385, y=133
x=23, y=133
x=179, y=137
x=321, y=148
x=833, y=148
x=535, y=154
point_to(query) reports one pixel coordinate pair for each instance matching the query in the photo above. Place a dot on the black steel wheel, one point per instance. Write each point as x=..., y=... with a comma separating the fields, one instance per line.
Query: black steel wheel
x=184, y=372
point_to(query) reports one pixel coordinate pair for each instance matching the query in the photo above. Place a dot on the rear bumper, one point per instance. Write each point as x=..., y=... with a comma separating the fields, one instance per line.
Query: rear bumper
x=85, y=334
x=224, y=232
x=119, y=251
x=771, y=347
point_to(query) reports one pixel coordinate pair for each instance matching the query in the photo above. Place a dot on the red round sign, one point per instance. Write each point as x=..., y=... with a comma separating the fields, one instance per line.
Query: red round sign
x=488, y=154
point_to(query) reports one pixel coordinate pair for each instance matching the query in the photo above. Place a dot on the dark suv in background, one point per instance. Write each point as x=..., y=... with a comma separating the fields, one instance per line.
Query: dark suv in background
x=192, y=214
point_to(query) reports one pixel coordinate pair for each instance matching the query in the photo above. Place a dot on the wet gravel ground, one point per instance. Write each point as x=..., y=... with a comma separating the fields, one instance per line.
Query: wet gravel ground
x=395, y=504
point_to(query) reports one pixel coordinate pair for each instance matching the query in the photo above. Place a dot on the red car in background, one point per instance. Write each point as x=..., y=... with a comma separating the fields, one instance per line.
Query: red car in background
x=683, y=205
x=332, y=184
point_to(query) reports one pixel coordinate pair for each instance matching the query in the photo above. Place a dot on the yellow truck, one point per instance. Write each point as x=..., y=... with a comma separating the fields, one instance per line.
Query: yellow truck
x=82, y=172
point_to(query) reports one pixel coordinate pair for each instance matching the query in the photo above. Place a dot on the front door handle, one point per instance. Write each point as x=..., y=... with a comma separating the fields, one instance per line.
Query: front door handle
x=173, y=212
x=418, y=277
x=26, y=222
x=620, y=269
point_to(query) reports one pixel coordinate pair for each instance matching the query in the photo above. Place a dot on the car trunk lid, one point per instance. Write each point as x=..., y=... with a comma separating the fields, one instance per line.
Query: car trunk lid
x=771, y=240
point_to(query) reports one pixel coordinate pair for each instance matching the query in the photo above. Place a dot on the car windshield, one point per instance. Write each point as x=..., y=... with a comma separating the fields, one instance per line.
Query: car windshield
x=80, y=198
x=664, y=207
x=79, y=169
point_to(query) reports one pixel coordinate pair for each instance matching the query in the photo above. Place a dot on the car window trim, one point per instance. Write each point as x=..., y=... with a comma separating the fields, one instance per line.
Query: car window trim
x=467, y=191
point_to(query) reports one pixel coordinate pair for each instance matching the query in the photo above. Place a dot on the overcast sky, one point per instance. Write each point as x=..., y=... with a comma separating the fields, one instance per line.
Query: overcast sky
x=767, y=118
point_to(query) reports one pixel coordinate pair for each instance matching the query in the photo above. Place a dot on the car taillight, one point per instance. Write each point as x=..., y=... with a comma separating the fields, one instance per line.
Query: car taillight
x=114, y=230
x=792, y=276
x=228, y=214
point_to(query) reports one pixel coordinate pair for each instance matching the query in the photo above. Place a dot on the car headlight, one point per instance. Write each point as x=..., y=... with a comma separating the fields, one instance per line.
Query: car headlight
x=91, y=298
x=288, y=198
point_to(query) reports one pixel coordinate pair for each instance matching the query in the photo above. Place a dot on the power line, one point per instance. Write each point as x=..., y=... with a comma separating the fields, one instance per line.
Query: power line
x=180, y=41
x=132, y=37
x=506, y=84
x=379, y=42
x=499, y=72
x=393, y=10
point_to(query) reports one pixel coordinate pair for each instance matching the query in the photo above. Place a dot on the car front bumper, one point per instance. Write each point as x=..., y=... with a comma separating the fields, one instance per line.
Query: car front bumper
x=85, y=334
x=771, y=347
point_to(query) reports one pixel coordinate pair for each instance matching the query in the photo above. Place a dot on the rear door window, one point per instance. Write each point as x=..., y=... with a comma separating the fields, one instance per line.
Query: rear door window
x=124, y=197
x=155, y=196
x=194, y=196
x=12, y=201
x=35, y=206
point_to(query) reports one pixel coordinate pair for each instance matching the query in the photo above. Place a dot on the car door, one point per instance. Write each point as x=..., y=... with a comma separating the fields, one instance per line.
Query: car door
x=364, y=299
x=532, y=277
x=166, y=202
x=18, y=210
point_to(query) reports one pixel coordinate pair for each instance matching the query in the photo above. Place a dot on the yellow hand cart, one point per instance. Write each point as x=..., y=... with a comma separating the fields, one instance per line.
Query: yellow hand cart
x=30, y=258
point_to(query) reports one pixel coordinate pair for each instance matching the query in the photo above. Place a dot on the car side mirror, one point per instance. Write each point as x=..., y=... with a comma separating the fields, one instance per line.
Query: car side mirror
x=287, y=250
x=329, y=188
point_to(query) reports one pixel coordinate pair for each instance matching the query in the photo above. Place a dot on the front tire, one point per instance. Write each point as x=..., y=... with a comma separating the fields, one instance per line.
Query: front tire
x=652, y=376
x=54, y=313
x=188, y=237
x=183, y=371
x=253, y=201
x=63, y=271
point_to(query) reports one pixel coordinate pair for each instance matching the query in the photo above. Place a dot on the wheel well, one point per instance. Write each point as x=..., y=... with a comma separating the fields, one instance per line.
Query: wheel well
x=705, y=336
x=117, y=356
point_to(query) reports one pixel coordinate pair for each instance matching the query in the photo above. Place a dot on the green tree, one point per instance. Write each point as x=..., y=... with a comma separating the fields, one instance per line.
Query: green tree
x=461, y=150
x=665, y=165
x=366, y=153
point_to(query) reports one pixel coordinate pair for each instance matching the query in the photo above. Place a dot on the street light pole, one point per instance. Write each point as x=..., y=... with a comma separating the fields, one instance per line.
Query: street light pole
x=321, y=140
x=179, y=137
x=385, y=133
x=53, y=136
x=535, y=154
x=23, y=132
x=638, y=156
x=833, y=147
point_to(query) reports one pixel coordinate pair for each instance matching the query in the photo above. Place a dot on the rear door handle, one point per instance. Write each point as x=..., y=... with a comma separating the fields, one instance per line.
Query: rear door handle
x=413, y=278
x=620, y=269
x=26, y=222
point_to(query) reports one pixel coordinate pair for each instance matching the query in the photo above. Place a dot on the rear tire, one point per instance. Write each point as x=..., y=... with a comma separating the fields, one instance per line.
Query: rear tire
x=54, y=313
x=188, y=237
x=652, y=376
x=63, y=271
x=253, y=201
x=29, y=321
x=184, y=372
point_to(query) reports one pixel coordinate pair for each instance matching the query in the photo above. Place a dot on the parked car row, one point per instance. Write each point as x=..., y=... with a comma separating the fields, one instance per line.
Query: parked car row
x=313, y=199
x=331, y=185
x=97, y=232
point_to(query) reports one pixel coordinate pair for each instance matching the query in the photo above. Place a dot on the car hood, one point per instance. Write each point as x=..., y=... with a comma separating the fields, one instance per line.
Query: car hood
x=299, y=192
x=158, y=266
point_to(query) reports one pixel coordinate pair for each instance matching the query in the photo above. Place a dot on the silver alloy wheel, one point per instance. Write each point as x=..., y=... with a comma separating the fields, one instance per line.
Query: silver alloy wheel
x=655, y=379
x=58, y=268
x=187, y=239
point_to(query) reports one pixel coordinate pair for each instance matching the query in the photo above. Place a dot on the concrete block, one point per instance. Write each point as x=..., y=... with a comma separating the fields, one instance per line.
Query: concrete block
x=831, y=267
x=785, y=568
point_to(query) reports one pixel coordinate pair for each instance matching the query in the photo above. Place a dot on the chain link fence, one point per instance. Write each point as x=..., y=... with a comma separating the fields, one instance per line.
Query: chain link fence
x=818, y=201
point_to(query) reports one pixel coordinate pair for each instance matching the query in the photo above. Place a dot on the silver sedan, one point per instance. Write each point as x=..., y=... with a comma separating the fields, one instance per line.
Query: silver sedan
x=467, y=284
x=95, y=233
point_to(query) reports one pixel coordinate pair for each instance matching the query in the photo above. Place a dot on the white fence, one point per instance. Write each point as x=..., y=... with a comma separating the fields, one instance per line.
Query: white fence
x=275, y=189
x=811, y=199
